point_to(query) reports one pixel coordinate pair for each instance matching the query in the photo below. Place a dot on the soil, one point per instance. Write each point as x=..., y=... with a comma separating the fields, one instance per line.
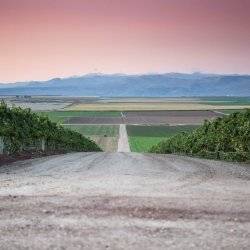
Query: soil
x=107, y=144
x=124, y=201
x=7, y=159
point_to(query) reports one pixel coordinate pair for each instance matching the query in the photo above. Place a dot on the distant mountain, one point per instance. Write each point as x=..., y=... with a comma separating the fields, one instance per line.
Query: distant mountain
x=162, y=85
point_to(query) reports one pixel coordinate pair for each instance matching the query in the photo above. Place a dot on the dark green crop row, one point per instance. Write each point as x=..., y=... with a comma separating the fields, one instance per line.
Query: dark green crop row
x=226, y=138
x=21, y=128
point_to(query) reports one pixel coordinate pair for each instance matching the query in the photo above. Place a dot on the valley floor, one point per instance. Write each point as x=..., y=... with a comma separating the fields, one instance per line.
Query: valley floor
x=124, y=201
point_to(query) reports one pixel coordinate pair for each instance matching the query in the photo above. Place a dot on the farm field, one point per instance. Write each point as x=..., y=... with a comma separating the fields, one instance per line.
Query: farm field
x=45, y=103
x=55, y=103
x=232, y=100
x=131, y=106
x=147, y=118
x=106, y=136
x=142, y=144
x=230, y=111
x=63, y=116
x=142, y=138
x=107, y=144
x=39, y=106
x=170, y=117
x=96, y=130
x=225, y=101
x=94, y=120
x=103, y=126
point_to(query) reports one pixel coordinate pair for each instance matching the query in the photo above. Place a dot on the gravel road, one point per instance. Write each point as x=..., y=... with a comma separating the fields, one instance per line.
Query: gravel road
x=124, y=201
x=123, y=144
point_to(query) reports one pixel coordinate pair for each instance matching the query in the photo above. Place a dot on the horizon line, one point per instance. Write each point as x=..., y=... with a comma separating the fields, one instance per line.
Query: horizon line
x=125, y=74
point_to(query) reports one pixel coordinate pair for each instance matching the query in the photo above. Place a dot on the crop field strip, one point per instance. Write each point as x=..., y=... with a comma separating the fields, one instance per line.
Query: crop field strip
x=94, y=120
x=169, y=117
x=142, y=138
x=106, y=136
x=225, y=101
x=94, y=104
x=143, y=144
x=147, y=118
x=95, y=130
x=168, y=105
x=157, y=131
x=64, y=116
x=231, y=111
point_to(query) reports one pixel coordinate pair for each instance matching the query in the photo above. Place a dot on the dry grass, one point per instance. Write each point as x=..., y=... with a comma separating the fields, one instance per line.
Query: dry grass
x=119, y=106
x=107, y=144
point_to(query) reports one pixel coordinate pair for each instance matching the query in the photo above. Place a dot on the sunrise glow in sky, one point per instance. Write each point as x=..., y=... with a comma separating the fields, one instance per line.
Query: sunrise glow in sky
x=41, y=39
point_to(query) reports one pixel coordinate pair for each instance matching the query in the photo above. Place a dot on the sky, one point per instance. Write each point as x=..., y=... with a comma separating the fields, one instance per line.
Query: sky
x=42, y=39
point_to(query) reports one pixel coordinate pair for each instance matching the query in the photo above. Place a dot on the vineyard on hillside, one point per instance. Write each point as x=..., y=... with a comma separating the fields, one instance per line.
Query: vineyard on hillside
x=22, y=130
x=226, y=138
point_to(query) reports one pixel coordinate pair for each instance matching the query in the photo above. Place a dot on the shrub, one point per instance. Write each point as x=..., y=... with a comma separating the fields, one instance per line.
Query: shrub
x=226, y=138
x=21, y=128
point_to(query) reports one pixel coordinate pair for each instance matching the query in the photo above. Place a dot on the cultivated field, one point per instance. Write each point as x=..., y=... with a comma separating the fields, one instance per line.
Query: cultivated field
x=107, y=144
x=147, y=117
x=51, y=103
x=96, y=118
x=64, y=116
x=106, y=136
x=230, y=111
x=152, y=106
x=131, y=104
x=168, y=117
x=100, y=125
x=98, y=130
x=39, y=103
x=28, y=99
x=142, y=138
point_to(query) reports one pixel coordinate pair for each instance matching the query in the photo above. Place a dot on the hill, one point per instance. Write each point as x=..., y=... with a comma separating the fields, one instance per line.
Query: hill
x=151, y=85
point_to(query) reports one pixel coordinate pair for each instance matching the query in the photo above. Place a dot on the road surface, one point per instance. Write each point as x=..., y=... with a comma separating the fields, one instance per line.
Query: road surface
x=123, y=144
x=124, y=201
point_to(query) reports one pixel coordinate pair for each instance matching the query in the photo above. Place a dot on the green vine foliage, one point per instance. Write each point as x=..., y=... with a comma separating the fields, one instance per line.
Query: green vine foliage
x=22, y=128
x=226, y=138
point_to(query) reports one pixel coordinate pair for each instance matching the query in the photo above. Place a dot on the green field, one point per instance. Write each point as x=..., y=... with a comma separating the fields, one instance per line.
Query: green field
x=231, y=111
x=157, y=131
x=224, y=101
x=142, y=138
x=142, y=144
x=95, y=130
x=62, y=116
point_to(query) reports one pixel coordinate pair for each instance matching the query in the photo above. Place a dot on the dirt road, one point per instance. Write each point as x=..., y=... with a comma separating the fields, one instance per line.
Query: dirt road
x=123, y=144
x=124, y=201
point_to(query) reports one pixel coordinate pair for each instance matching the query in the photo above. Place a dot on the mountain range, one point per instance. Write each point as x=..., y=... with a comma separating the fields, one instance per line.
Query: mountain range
x=148, y=85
